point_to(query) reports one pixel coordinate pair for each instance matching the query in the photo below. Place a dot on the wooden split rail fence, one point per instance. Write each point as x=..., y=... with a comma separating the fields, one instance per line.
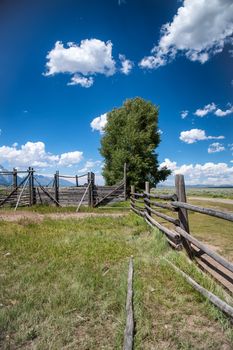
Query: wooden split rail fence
x=173, y=209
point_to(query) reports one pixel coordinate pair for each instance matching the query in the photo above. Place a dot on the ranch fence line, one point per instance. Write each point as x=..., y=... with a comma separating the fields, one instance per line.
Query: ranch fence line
x=173, y=209
x=26, y=190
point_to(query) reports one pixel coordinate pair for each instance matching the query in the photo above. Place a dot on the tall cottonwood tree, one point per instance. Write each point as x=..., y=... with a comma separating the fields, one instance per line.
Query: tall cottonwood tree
x=131, y=135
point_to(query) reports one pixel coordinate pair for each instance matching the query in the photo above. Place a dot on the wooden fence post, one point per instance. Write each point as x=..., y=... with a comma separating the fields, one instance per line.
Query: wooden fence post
x=76, y=178
x=92, y=189
x=15, y=178
x=31, y=186
x=147, y=190
x=183, y=213
x=15, y=181
x=91, y=184
x=56, y=187
x=132, y=191
x=125, y=181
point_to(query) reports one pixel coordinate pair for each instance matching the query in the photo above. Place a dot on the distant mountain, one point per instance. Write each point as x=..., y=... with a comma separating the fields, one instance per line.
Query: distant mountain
x=6, y=180
x=45, y=180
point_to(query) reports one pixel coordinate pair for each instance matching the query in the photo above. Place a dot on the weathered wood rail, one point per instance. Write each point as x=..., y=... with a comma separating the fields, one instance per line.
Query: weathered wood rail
x=129, y=327
x=151, y=206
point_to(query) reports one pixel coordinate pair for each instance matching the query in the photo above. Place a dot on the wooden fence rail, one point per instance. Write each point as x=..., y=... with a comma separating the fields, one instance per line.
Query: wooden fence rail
x=129, y=327
x=144, y=204
x=202, y=210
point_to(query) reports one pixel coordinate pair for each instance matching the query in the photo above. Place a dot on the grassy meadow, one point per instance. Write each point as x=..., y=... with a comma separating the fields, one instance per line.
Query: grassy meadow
x=211, y=192
x=63, y=286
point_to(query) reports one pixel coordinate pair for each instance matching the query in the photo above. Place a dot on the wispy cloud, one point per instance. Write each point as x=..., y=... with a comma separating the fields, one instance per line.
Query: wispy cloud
x=83, y=81
x=221, y=113
x=201, y=112
x=184, y=114
x=126, y=65
x=212, y=108
x=216, y=147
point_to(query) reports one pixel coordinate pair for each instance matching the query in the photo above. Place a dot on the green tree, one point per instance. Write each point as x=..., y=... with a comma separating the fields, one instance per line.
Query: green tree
x=131, y=135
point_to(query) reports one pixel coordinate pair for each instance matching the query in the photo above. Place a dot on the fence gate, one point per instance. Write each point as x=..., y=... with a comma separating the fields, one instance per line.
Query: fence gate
x=17, y=190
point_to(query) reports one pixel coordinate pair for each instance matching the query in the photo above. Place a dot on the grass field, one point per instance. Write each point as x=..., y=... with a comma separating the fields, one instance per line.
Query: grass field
x=212, y=192
x=63, y=286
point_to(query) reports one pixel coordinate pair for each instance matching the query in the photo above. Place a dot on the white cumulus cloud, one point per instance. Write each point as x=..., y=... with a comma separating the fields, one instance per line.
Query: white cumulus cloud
x=216, y=147
x=70, y=158
x=34, y=154
x=200, y=29
x=99, y=123
x=169, y=164
x=85, y=60
x=194, y=135
x=92, y=56
x=209, y=173
x=126, y=65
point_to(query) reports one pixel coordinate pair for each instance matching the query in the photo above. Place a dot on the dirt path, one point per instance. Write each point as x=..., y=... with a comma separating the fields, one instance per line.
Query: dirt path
x=214, y=200
x=20, y=215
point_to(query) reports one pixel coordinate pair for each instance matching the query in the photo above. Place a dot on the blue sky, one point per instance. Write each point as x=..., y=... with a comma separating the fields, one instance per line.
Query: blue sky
x=65, y=63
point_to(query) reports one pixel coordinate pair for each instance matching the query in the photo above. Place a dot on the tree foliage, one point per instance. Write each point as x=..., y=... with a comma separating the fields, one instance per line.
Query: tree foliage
x=131, y=135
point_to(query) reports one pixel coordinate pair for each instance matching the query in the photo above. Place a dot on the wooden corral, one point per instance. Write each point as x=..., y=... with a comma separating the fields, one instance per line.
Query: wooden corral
x=28, y=191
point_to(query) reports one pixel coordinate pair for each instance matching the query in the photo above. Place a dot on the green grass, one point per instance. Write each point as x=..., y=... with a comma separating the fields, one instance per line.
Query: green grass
x=49, y=209
x=63, y=286
x=214, y=231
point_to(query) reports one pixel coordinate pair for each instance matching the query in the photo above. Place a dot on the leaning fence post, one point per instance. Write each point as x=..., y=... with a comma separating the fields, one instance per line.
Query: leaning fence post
x=183, y=213
x=132, y=191
x=125, y=181
x=76, y=178
x=147, y=191
x=31, y=186
x=56, y=187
